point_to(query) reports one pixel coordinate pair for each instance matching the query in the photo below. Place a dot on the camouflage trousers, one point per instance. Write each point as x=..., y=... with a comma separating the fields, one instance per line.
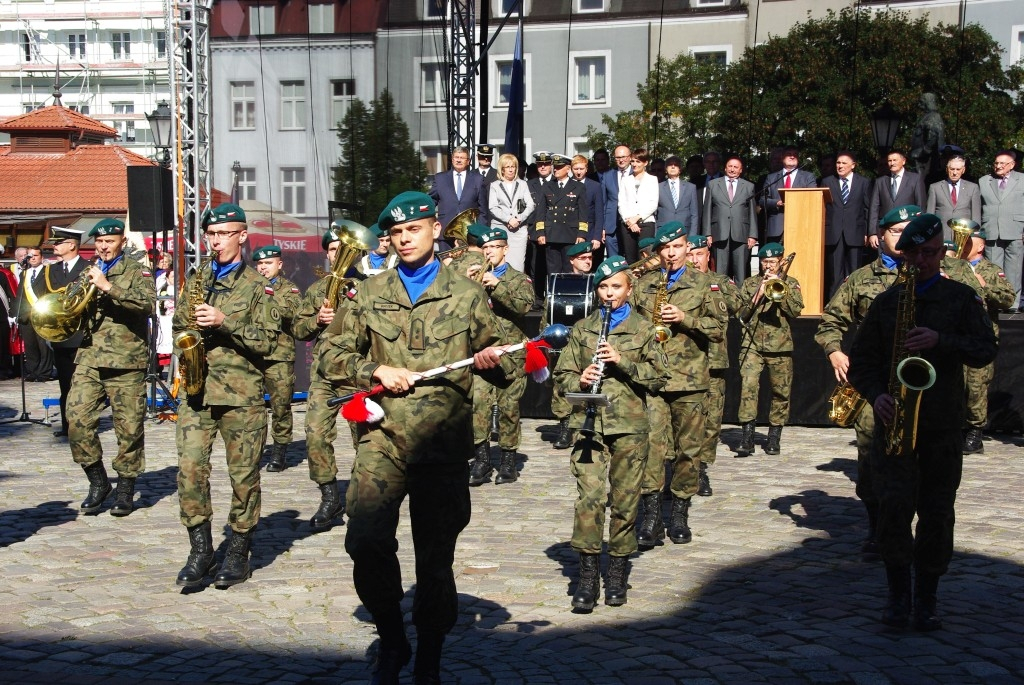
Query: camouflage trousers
x=507, y=399
x=976, y=382
x=608, y=473
x=439, y=509
x=279, y=382
x=322, y=429
x=244, y=430
x=864, y=425
x=780, y=375
x=126, y=389
x=714, y=407
x=560, y=406
x=680, y=447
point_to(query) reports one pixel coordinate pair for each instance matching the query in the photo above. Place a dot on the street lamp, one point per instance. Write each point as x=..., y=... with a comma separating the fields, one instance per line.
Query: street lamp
x=160, y=124
x=885, y=123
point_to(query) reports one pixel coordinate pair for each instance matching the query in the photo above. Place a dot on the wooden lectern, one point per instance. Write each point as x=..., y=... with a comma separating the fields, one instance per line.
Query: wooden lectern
x=804, y=232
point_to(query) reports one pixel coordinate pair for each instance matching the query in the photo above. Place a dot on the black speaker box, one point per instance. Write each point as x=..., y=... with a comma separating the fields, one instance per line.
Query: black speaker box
x=150, y=199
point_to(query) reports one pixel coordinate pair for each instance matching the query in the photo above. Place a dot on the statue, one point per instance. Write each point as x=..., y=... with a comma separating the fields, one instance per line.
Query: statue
x=927, y=140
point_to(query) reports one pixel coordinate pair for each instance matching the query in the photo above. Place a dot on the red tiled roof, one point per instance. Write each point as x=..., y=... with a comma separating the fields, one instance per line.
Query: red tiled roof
x=57, y=118
x=89, y=178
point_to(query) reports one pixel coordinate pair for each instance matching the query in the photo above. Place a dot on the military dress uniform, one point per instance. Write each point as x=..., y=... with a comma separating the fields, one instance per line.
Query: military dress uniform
x=609, y=467
x=561, y=220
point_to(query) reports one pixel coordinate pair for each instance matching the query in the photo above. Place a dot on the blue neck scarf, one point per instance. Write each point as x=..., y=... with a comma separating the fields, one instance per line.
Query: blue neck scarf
x=377, y=260
x=273, y=281
x=418, y=280
x=890, y=262
x=222, y=270
x=499, y=271
x=976, y=262
x=619, y=315
x=107, y=266
x=673, y=276
x=924, y=285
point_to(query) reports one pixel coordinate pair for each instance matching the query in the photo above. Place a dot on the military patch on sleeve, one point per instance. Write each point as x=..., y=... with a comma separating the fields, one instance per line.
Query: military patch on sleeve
x=1002, y=275
x=268, y=290
x=715, y=288
x=146, y=273
x=275, y=314
x=295, y=290
x=722, y=308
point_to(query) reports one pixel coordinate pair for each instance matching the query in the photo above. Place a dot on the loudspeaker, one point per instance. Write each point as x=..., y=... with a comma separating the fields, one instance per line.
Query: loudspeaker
x=150, y=199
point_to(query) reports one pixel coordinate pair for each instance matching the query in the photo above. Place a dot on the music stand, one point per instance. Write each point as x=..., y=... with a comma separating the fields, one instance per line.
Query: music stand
x=25, y=417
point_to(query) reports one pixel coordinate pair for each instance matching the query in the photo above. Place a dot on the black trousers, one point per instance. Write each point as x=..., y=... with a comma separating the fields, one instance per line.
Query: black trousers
x=64, y=360
x=38, y=361
x=841, y=260
x=629, y=242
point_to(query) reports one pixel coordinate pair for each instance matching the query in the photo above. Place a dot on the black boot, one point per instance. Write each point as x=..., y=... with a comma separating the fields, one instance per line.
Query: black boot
x=679, y=523
x=427, y=670
x=973, y=443
x=703, y=482
x=925, y=587
x=774, y=438
x=897, y=607
x=746, y=447
x=278, y=455
x=123, y=498
x=588, y=583
x=871, y=550
x=235, y=568
x=617, y=584
x=200, y=559
x=652, y=528
x=480, y=470
x=495, y=436
x=507, y=468
x=332, y=506
x=564, y=439
x=390, y=662
x=99, y=488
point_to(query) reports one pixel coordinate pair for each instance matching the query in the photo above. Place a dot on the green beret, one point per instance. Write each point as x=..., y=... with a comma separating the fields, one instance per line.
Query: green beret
x=329, y=237
x=645, y=243
x=609, y=267
x=408, y=206
x=376, y=230
x=559, y=161
x=921, y=229
x=107, y=227
x=266, y=252
x=697, y=241
x=770, y=250
x=475, y=234
x=579, y=249
x=669, y=232
x=979, y=233
x=897, y=215
x=493, y=235
x=223, y=214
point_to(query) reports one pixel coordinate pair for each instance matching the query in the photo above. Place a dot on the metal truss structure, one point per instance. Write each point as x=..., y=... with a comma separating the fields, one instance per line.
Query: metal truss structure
x=461, y=75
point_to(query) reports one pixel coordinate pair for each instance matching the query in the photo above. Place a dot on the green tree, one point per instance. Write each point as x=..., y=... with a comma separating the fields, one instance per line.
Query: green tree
x=378, y=159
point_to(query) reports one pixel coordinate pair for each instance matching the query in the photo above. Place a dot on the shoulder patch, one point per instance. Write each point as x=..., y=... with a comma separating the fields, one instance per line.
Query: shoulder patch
x=147, y=273
x=715, y=288
x=268, y=290
x=295, y=290
x=1002, y=275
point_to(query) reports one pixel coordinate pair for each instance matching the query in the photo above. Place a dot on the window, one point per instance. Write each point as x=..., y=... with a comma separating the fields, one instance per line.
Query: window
x=321, y=18
x=436, y=157
x=27, y=47
x=243, y=105
x=503, y=7
x=1016, y=43
x=81, y=109
x=343, y=91
x=710, y=3
x=720, y=54
x=590, y=6
x=502, y=76
x=433, y=84
x=121, y=42
x=293, y=104
x=76, y=45
x=293, y=188
x=125, y=127
x=30, y=107
x=435, y=9
x=589, y=80
x=161, y=44
x=261, y=20
x=247, y=184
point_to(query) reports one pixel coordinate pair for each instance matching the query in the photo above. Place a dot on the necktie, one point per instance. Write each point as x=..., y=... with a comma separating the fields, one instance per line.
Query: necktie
x=844, y=190
x=65, y=269
x=1002, y=183
x=952, y=194
x=789, y=181
x=458, y=185
x=732, y=189
x=35, y=274
x=675, y=193
x=892, y=188
x=561, y=184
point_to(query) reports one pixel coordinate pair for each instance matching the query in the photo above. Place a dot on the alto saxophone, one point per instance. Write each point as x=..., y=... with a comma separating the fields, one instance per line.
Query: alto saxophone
x=846, y=403
x=661, y=331
x=190, y=345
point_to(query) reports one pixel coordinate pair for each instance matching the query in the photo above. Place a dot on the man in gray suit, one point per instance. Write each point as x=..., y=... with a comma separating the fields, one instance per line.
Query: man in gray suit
x=789, y=176
x=1002, y=217
x=677, y=199
x=730, y=218
x=900, y=187
x=846, y=221
x=954, y=197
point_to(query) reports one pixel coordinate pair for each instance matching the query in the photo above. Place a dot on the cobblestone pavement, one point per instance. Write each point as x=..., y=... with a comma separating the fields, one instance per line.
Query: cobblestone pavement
x=771, y=589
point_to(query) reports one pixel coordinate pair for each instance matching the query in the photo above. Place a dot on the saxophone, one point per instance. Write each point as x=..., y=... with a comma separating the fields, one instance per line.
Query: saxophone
x=190, y=345
x=846, y=403
x=909, y=376
x=661, y=331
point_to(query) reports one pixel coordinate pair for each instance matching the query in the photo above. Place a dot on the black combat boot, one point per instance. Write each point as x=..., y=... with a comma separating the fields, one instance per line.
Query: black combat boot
x=495, y=436
x=973, y=443
x=746, y=447
x=480, y=470
x=652, y=528
x=99, y=487
x=704, y=482
x=427, y=670
x=123, y=498
x=235, y=568
x=278, y=455
x=897, y=608
x=564, y=439
x=925, y=587
x=679, y=522
x=390, y=662
x=507, y=468
x=774, y=438
x=588, y=583
x=200, y=559
x=332, y=506
x=617, y=584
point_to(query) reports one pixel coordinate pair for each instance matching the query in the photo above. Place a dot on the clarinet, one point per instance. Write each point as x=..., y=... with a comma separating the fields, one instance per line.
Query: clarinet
x=595, y=397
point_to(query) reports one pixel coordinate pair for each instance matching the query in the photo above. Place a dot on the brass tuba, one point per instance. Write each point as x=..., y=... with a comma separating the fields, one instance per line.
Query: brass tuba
x=661, y=331
x=457, y=233
x=59, y=315
x=355, y=239
x=190, y=345
x=961, y=237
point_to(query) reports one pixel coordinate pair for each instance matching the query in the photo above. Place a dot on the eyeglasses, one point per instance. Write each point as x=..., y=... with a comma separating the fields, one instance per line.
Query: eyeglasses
x=221, y=234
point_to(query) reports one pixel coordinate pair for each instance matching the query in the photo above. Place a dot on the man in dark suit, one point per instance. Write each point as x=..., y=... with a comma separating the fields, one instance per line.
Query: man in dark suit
x=677, y=199
x=900, y=187
x=562, y=216
x=595, y=201
x=37, y=363
x=730, y=218
x=610, y=181
x=484, y=155
x=846, y=221
x=789, y=176
x=954, y=197
x=459, y=189
x=535, y=253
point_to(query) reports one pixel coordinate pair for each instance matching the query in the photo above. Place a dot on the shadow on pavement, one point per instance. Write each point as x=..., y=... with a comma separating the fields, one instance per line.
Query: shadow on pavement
x=19, y=525
x=153, y=486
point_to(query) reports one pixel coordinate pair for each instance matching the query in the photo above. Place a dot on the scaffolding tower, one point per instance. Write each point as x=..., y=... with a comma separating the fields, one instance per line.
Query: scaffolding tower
x=461, y=77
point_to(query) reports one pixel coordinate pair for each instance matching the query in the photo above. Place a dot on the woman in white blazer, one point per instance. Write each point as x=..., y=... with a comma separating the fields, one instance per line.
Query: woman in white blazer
x=509, y=203
x=638, y=206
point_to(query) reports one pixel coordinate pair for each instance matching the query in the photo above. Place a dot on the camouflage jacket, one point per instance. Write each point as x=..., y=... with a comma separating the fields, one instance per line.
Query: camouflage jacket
x=511, y=300
x=117, y=326
x=849, y=305
x=768, y=330
x=960, y=271
x=305, y=325
x=703, y=324
x=997, y=291
x=449, y=322
x=288, y=298
x=725, y=293
x=642, y=370
x=237, y=349
x=465, y=260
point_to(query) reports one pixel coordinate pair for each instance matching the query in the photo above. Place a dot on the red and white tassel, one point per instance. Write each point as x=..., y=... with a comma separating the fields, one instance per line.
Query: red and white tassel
x=536, y=361
x=362, y=409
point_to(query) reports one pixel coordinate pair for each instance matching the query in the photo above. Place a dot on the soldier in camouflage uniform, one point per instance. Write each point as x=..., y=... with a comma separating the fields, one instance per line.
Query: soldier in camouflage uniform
x=726, y=295
x=609, y=465
x=767, y=341
x=411, y=319
x=511, y=298
x=111, y=363
x=694, y=321
x=378, y=260
x=279, y=375
x=239, y=323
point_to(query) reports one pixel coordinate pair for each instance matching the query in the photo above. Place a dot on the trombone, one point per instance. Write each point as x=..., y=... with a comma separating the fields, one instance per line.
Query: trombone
x=775, y=289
